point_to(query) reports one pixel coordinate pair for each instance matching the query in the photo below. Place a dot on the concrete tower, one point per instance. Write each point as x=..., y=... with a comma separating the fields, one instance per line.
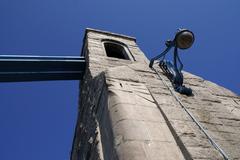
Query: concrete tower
x=128, y=112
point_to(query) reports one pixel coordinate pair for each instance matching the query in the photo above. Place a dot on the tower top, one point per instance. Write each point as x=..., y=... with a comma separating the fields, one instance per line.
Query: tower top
x=108, y=33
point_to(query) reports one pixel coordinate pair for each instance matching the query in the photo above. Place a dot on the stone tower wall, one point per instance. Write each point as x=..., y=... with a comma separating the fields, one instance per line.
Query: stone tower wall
x=127, y=112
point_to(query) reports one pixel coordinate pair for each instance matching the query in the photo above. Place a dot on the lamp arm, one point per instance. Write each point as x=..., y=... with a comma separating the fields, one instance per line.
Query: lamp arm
x=181, y=64
x=177, y=59
x=159, y=56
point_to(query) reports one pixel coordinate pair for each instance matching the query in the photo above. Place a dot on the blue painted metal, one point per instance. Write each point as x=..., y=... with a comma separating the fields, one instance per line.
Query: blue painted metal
x=15, y=68
x=172, y=71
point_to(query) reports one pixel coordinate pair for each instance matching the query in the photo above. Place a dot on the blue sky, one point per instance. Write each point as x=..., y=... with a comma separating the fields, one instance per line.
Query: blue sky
x=37, y=119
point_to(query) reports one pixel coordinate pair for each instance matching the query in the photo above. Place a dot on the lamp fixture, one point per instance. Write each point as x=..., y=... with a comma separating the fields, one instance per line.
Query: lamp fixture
x=183, y=39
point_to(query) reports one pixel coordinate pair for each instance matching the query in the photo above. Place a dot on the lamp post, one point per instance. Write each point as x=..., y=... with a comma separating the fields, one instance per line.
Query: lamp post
x=183, y=40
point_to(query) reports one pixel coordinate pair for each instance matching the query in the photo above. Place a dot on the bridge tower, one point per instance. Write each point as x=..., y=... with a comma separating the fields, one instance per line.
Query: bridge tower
x=127, y=111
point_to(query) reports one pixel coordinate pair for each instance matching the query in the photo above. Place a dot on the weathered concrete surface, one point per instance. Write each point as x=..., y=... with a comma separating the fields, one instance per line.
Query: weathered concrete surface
x=140, y=131
x=126, y=111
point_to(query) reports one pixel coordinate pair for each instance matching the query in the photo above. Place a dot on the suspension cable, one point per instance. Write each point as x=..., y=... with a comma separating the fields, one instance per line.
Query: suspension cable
x=214, y=144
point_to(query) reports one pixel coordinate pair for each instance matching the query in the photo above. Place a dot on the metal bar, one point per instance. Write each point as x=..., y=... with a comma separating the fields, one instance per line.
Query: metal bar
x=159, y=56
x=14, y=68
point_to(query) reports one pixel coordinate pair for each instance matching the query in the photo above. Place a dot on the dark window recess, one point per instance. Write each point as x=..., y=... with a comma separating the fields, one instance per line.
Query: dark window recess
x=115, y=50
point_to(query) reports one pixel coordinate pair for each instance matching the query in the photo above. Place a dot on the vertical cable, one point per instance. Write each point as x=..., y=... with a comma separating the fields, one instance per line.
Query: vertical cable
x=214, y=144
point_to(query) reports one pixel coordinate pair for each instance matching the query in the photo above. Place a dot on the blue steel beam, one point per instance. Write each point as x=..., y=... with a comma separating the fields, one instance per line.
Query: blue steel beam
x=40, y=68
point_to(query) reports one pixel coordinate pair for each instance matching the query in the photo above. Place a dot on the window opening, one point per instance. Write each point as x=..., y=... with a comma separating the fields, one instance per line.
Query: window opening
x=116, y=50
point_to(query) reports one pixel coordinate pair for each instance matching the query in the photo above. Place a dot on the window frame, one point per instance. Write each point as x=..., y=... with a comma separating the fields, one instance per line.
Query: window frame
x=128, y=55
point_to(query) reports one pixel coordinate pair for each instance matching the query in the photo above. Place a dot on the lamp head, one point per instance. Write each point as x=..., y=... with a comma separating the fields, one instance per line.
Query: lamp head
x=184, y=39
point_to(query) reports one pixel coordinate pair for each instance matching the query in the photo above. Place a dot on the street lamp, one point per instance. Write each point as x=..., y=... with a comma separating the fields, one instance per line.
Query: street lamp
x=183, y=40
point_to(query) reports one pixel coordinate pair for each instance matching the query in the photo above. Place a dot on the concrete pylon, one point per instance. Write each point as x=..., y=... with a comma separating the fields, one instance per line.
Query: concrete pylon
x=127, y=113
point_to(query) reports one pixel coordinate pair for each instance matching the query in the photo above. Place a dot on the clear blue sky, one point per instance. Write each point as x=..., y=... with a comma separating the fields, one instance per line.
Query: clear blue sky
x=37, y=119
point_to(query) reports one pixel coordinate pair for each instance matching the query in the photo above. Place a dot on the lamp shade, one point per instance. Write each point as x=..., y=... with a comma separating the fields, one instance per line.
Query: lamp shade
x=184, y=39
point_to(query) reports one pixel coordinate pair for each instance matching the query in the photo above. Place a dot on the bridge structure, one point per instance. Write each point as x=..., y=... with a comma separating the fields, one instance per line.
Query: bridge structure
x=19, y=68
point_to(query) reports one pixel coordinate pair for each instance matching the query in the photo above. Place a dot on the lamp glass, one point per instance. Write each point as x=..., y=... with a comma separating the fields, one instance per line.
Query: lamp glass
x=184, y=39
